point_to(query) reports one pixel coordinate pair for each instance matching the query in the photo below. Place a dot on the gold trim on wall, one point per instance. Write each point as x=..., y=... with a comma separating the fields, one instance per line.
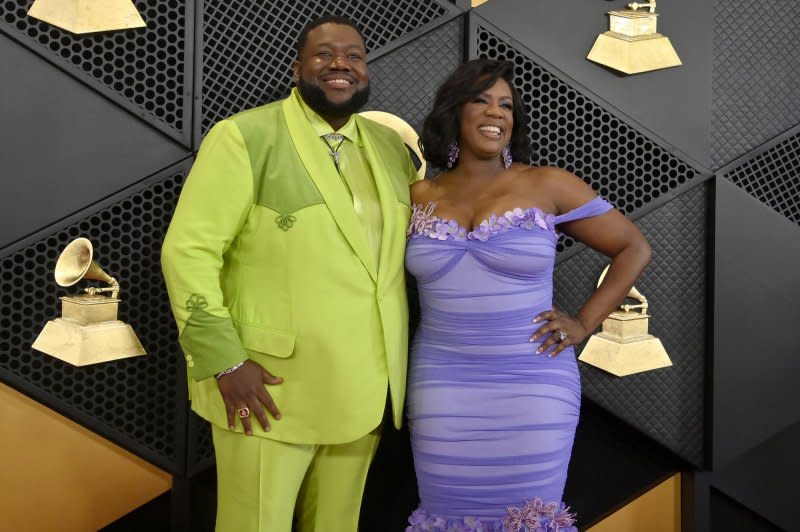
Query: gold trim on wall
x=58, y=475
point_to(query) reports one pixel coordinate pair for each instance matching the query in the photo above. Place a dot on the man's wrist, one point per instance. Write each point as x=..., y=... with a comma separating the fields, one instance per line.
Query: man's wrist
x=229, y=370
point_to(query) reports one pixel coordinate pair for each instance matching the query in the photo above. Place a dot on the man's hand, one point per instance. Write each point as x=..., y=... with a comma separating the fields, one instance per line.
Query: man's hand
x=244, y=388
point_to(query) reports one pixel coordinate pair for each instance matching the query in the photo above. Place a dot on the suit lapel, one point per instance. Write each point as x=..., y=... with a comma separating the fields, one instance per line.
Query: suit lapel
x=319, y=166
x=386, y=195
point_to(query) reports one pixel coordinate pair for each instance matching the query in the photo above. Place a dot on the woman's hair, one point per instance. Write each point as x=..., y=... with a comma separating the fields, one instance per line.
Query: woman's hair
x=443, y=124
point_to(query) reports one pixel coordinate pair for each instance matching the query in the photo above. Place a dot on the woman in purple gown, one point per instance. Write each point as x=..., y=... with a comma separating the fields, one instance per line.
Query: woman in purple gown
x=494, y=389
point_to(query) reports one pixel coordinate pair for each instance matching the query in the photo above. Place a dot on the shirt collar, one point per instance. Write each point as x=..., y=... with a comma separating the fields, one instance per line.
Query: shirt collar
x=349, y=130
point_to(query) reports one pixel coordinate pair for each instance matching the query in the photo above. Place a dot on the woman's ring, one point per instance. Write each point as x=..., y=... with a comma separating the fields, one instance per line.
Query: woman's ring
x=562, y=334
x=244, y=412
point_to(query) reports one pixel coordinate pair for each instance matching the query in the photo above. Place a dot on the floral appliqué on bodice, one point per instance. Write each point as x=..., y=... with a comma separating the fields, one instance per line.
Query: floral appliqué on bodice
x=424, y=223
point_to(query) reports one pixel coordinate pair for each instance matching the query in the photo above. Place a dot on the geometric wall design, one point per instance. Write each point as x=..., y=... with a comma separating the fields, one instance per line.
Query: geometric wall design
x=413, y=66
x=756, y=68
x=249, y=47
x=666, y=404
x=145, y=69
x=571, y=131
x=136, y=401
x=773, y=177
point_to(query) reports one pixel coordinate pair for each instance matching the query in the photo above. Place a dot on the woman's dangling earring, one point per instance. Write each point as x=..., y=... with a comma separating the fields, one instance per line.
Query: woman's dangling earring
x=452, y=155
x=507, y=160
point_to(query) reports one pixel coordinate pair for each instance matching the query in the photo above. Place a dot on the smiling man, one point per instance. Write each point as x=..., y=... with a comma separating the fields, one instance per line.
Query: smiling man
x=284, y=266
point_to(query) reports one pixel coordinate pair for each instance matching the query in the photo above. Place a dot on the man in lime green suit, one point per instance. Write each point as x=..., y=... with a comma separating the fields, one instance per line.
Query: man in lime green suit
x=284, y=266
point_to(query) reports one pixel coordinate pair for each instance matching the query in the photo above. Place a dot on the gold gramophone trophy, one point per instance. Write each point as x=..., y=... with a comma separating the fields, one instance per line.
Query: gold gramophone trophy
x=624, y=346
x=632, y=45
x=88, y=330
x=88, y=16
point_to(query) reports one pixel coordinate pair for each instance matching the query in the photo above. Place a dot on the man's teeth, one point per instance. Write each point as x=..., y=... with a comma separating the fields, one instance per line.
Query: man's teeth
x=338, y=82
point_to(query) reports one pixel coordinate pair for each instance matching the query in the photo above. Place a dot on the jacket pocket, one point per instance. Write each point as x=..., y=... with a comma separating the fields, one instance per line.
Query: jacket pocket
x=267, y=341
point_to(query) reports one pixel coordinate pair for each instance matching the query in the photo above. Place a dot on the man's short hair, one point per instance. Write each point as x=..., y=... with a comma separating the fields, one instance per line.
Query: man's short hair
x=325, y=19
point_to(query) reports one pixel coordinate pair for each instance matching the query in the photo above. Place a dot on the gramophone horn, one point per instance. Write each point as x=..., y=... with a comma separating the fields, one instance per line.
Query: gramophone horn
x=75, y=263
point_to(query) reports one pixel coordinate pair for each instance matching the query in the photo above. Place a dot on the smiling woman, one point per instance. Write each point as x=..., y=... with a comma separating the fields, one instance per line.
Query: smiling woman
x=492, y=423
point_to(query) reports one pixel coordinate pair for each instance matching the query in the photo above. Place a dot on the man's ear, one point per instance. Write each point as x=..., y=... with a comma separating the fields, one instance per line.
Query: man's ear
x=296, y=67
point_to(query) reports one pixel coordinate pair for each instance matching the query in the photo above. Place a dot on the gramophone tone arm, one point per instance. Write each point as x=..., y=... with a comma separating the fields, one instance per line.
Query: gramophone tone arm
x=114, y=289
x=650, y=4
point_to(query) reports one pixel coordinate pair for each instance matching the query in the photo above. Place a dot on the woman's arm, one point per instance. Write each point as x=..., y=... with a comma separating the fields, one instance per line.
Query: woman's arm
x=613, y=235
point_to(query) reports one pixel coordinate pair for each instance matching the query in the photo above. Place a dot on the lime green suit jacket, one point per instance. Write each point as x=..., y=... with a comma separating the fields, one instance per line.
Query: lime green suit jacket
x=266, y=259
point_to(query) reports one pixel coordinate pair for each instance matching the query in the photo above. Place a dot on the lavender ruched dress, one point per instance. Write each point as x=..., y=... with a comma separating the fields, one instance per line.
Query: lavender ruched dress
x=492, y=423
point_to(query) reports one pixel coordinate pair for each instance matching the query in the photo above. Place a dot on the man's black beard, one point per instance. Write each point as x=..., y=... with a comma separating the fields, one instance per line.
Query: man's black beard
x=315, y=97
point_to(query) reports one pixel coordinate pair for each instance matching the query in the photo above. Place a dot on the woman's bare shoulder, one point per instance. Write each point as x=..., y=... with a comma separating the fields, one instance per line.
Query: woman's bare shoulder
x=565, y=189
x=424, y=191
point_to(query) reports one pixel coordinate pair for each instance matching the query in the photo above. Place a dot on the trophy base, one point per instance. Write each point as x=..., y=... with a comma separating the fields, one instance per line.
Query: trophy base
x=633, y=55
x=81, y=345
x=623, y=357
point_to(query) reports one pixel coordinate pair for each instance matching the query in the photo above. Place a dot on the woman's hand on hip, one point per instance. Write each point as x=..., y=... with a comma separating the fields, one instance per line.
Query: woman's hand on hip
x=561, y=331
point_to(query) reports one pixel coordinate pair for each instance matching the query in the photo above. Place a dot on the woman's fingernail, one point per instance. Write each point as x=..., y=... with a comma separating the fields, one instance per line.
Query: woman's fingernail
x=538, y=350
x=536, y=319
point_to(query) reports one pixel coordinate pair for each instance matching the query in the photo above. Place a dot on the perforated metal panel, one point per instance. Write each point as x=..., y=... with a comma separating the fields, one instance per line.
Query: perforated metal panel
x=756, y=73
x=405, y=80
x=133, y=401
x=773, y=177
x=666, y=404
x=145, y=68
x=248, y=46
x=570, y=131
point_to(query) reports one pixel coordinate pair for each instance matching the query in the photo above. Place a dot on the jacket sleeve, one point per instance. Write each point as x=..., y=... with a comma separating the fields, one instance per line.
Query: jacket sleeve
x=212, y=208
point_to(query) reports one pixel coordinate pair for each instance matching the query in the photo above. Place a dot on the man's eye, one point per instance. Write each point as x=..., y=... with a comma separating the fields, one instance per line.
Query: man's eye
x=324, y=54
x=354, y=57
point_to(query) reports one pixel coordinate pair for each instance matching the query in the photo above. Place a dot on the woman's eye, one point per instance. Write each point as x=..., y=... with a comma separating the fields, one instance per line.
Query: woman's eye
x=508, y=106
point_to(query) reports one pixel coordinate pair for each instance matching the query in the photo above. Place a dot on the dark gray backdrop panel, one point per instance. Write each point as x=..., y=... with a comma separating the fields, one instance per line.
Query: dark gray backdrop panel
x=674, y=104
x=404, y=81
x=248, y=46
x=666, y=404
x=139, y=403
x=756, y=313
x=146, y=70
x=64, y=145
x=756, y=75
x=765, y=478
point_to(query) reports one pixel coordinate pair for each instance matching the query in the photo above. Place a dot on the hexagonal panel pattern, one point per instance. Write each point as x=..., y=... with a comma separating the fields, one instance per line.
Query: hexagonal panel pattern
x=570, y=131
x=145, y=66
x=134, y=399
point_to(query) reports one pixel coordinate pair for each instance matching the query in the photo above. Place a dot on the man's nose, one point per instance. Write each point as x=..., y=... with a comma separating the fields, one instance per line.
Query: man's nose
x=340, y=62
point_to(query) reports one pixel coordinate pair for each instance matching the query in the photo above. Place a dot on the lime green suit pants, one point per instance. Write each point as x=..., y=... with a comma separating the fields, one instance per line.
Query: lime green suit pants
x=263, y=485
